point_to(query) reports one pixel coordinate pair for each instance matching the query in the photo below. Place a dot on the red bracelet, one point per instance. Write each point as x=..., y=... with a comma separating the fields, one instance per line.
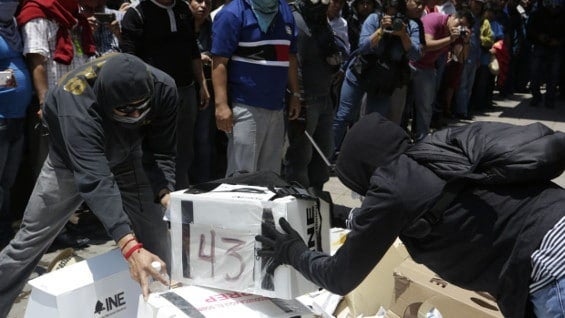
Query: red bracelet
x=133, y=249
x=128, y=241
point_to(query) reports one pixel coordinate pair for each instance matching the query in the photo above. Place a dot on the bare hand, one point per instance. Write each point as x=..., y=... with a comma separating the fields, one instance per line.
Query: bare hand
x=204, y=96
x=206, y=59
x=165, y=200
x=93, y=23
x=124, y=6
x=224, y=118
x=386, y=22
x=454, y=33
x=294, y=108
x=141, y=270
x=115, y=28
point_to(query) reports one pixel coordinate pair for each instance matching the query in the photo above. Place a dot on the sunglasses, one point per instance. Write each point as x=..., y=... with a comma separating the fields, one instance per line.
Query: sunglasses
x=130, y=108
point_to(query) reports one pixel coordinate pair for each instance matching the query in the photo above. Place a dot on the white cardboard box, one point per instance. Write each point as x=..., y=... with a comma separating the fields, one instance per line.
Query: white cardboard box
x=198, y=302
x=213, y=239
x=100, y=286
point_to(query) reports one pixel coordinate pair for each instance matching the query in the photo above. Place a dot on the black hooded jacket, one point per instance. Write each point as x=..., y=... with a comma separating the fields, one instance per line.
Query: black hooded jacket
x=487, y=234
x=87, y=141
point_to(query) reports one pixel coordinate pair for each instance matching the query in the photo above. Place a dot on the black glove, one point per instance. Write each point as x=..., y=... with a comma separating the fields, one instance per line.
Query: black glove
x=283, y=248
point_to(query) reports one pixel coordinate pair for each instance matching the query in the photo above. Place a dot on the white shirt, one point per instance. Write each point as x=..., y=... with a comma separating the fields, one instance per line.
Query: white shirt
x=339, y=26
x=40, y=36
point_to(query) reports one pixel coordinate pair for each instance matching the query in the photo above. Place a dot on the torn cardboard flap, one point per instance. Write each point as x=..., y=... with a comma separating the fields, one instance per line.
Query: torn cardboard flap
x=418, y=292
x=377, y=288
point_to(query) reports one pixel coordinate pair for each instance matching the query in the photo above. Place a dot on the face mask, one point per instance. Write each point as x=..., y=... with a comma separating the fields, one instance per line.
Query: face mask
x=131, y=122
x=7, y=11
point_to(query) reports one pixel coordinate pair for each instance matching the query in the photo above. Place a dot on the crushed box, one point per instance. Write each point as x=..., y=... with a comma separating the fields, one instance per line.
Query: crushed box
x=419, y=292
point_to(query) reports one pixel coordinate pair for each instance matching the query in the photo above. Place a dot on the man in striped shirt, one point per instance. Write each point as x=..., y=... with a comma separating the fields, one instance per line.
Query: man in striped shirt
x=254, y=47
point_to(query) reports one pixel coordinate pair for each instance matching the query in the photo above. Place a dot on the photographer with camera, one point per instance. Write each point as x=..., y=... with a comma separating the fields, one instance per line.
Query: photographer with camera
x=379, y=67
x=105, y=25
x=442, y=32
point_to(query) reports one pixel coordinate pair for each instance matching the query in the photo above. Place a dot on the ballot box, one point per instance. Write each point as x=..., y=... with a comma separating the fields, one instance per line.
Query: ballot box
x=200, y=302
x=100, y=286
x=213, y=238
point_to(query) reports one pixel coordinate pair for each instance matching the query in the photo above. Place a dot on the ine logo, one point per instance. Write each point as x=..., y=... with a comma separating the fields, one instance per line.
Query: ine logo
x=109, y=304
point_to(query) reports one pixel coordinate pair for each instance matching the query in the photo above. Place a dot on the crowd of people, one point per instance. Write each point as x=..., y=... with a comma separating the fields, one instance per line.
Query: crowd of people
x=247, y=85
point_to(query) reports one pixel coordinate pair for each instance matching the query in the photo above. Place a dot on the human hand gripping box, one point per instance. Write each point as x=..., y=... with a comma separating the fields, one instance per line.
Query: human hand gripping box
x=213, y=238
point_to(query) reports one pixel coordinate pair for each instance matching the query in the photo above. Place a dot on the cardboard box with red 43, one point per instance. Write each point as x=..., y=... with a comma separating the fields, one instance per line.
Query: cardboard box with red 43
x=213, y=238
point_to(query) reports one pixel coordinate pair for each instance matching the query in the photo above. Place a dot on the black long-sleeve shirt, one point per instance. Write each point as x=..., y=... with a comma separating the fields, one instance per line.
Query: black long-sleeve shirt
x=87, y=141
x=162, y=36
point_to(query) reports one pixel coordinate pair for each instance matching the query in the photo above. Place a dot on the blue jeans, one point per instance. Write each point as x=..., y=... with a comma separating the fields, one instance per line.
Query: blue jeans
x=11, y=149
x=465, y=88
x=349, y=105
x=423, y=90
x=546, y=65
x=302, y=162
x=549, y=302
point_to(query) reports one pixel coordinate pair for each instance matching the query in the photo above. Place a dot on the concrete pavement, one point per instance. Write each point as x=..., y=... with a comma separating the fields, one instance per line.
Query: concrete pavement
x=514, y=111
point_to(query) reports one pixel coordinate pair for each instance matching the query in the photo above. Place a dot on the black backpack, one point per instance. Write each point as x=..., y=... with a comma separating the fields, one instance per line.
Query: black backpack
x=485, y=153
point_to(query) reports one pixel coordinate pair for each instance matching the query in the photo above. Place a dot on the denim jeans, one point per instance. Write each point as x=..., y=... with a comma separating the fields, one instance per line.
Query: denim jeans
x=546, y=65
x=465, y=88
x=302, y=162
x=11, y=149
x=201, y=169
x=423, y=90
x=349, y=105
x=549, y=302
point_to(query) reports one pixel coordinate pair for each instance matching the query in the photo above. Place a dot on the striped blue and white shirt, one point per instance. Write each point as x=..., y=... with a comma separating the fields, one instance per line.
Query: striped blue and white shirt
x=548, y=261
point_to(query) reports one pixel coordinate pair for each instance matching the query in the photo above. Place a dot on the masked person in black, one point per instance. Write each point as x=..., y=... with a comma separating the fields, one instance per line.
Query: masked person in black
x=318, y=60
x=497, y=225
x=112, y=129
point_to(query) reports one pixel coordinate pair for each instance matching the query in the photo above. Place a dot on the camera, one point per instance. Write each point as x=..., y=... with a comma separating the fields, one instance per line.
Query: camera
x=397, y=22
x=463, y=31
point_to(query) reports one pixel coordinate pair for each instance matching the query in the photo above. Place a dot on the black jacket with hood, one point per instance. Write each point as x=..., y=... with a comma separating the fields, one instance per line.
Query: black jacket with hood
x=486, y=236
x=86, y=140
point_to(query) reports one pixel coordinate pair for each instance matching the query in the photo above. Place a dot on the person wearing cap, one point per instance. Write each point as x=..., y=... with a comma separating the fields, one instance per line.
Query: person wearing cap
x=112, y=133
x=473, y=203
